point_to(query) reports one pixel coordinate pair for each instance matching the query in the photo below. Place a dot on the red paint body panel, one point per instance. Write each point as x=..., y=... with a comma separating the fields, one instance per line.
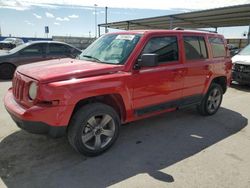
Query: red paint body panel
x=68, y=81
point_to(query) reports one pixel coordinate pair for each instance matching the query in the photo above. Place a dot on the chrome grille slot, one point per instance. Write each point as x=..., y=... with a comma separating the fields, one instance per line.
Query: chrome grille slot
x=18, y=87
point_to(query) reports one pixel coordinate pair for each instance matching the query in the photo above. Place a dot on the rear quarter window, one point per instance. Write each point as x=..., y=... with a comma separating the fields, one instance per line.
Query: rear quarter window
x=217, y=46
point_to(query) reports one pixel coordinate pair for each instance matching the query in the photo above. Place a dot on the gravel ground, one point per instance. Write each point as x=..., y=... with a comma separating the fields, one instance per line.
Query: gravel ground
x=177, y=149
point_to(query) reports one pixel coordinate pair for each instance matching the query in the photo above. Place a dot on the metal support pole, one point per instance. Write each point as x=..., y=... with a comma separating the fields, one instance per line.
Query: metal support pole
x=106, y=19
x=216, y=29
x=95, y=21
x=127, y=25
x=99, y=30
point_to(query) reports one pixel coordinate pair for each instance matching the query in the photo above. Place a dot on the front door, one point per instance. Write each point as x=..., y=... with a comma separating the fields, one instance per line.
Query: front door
x=158, y=88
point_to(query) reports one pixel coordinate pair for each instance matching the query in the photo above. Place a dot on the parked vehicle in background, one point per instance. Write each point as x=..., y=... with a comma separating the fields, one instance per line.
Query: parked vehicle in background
x=233, y=49
x=10, y=43
x=121, y=77
x=32, y=52
x=241, y=66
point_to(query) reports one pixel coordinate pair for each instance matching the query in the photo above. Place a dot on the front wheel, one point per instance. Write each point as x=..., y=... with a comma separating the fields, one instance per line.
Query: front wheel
x=93, y=129
x=211, y=101
x=7, y=71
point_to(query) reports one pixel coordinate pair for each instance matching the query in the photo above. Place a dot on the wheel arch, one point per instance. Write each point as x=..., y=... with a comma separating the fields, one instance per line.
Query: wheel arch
x=222, y=81
x=8, y=63
x=113, y=100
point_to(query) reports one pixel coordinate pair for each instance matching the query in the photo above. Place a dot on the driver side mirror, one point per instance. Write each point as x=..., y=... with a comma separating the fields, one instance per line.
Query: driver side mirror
x=148, y=60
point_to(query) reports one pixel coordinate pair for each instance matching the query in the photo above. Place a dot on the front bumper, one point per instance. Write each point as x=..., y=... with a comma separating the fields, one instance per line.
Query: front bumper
x=38, y=119
x=241, y=77
x=39, y=127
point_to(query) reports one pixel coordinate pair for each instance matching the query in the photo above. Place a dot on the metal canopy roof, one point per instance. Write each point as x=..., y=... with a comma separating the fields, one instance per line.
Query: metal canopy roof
x=212, y=18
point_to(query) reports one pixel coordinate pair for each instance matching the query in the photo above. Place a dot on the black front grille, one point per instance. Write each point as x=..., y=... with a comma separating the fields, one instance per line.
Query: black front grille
x=241, y=68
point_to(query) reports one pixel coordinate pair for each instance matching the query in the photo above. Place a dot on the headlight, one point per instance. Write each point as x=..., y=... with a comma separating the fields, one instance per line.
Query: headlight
x=33, y=90
x=233, y=66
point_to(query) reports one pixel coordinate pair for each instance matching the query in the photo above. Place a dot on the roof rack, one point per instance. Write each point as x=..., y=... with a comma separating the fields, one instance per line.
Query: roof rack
x=181, y=28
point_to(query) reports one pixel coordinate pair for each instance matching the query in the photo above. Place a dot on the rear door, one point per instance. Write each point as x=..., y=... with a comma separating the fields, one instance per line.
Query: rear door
x=197, y=67
x=159, y=88
x=56, y=51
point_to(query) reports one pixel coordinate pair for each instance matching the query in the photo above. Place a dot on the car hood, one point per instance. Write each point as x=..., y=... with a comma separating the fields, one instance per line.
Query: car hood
x=63, y=69
x=241, y=59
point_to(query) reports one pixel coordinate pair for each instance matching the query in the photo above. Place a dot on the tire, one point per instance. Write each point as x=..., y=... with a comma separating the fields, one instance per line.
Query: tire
x=7, y=71
x=93, y=129
x=211, y=101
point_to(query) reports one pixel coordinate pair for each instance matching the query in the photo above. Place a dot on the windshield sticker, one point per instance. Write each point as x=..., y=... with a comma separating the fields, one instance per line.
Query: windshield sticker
x=125, y=37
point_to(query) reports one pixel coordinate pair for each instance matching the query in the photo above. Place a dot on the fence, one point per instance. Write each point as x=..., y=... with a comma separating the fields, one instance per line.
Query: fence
x=26, y=39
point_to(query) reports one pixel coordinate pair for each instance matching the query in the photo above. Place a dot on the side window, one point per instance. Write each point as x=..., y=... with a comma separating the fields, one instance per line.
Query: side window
x=195, y=47
x=218, y=47
x=165, y=47
x=58, y=49
x=36, y=49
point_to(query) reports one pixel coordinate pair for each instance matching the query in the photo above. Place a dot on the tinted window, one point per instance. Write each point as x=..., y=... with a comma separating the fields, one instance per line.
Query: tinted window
x=165, y=47
x=195, y=47
x=218, y=47
x=58, y=49
x=36, y=49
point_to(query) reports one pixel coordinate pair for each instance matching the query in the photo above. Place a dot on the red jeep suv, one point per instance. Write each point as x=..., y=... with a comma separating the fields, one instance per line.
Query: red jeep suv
x=121, y=77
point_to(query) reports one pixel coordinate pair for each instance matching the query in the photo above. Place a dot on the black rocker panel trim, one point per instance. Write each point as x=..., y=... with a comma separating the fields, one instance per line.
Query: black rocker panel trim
x=179, y=103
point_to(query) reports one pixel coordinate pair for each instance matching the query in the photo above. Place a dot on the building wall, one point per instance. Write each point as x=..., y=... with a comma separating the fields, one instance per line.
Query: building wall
x=79, y=42
x=240, y=43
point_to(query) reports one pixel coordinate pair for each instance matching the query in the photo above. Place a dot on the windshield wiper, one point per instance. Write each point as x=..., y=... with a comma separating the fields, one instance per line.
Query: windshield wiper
x=91, y=57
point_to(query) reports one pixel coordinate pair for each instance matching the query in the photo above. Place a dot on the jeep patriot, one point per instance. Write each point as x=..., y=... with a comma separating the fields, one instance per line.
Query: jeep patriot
x=121, y=77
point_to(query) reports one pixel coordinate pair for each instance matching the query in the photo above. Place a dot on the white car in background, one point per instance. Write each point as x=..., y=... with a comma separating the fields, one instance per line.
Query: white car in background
x=10, y=43
x=241, y=66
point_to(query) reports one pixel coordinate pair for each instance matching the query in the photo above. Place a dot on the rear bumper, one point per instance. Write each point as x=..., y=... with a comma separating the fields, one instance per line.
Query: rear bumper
x=38, y=119
x=241, y=77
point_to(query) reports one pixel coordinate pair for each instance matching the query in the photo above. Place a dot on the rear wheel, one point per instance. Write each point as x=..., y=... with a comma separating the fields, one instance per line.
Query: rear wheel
x=7, y=71
x=212, y=100
x=93, y=129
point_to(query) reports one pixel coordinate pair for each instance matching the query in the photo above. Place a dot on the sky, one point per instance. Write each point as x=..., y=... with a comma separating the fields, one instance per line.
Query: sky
x=77, y=18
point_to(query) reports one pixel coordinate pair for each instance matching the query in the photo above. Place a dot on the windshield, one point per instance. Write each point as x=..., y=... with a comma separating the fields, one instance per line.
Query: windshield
x=245, y=51
x=111, y=48
x=16, y=49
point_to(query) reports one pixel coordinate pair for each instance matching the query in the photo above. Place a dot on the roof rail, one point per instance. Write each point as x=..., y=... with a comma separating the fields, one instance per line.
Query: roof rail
x=181, y=28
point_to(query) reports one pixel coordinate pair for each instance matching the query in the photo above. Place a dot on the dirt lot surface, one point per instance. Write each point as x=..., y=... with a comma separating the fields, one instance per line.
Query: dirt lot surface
x=178, y=149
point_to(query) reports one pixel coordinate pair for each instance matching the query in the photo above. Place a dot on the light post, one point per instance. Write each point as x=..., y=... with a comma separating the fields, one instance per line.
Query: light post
x=106, y=19
x=95, y=21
